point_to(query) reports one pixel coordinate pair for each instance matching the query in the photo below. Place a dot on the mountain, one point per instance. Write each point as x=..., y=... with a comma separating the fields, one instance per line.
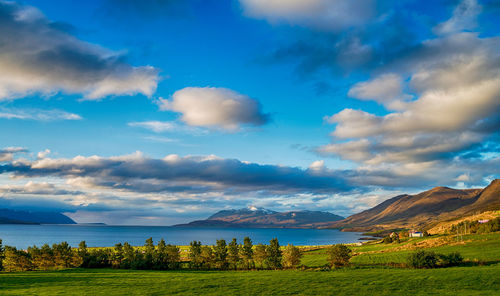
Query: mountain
x=424, y=209
x=27, y=217
x=262, y=218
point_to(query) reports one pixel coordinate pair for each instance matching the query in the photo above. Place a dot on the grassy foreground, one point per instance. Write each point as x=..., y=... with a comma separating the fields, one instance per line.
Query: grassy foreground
x=480, y=280
x=376, y=269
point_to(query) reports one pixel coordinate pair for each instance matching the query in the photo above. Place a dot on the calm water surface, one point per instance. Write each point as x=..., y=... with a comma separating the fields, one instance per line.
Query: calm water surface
x=22, y=236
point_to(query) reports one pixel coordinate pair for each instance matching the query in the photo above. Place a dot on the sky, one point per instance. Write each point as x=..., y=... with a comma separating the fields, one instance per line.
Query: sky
x=159, y=112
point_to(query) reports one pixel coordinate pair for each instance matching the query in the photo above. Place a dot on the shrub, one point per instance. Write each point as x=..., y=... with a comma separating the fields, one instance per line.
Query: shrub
x=387, y=240
x=339, y=255
x=291, y=256
x=422, y=259
x=452, y=259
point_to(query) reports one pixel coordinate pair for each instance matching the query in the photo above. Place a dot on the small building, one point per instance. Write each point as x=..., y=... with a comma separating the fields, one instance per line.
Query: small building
x=416, y=234
x=483, y=221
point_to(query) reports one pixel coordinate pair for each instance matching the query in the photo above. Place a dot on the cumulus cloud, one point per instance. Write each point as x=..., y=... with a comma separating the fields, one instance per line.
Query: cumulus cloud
x=215, y=107
x=134, y=188
x=386, y=89
x=178, y=174
x=37, y=114
x=34, y=188
x=331, y=15
x=7, y=154
x=37, y=57
x=454, y=108
x=43, y=154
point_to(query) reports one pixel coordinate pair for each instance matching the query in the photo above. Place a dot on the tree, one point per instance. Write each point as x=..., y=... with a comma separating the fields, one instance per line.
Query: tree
x=83, y=253
x=207, y=257
x=260, y=255
x=220, y=254
x=195, y=260
x=128, y=256
x=149, y=254
x=291, y=256
x=233, y=254
x=339, y=255
x=63, y=255
x=2, y=254
x=117, y=256
x=167, y=256
x=173, y=254
x=100, y=257
x=274, y=254
x=160, y=261
x=16, y=260
x=42, y=258
x=247, y=253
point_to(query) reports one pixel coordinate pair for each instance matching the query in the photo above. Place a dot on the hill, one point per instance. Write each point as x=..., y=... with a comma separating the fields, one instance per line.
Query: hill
x=424, y=209
x=262, y=218
x=8, y=216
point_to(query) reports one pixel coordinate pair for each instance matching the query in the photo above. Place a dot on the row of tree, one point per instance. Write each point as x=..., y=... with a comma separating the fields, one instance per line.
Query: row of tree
x=492, y=225
x=221, y=256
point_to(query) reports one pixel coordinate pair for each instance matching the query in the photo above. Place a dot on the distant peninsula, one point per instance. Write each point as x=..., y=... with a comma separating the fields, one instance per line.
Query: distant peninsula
x=9, y=216
x=253, y=217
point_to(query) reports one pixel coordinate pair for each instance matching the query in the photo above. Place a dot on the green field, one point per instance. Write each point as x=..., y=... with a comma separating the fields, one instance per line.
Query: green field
x=483, y=248
x=482, y=280
x=374, y=271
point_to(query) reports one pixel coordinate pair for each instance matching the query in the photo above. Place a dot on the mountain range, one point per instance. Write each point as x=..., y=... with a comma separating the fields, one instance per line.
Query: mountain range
x=424, y=209
x=8, y=216
x=417, y=211
x=262, y=218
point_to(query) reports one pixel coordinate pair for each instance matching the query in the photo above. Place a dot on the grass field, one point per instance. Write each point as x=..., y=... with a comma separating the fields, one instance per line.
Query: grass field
x=478, y=247
x=371, y=273
x=480, y=280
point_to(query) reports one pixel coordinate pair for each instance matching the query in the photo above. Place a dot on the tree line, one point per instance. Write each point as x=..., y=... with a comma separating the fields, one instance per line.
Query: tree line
x=163, y=256
x=492, y=225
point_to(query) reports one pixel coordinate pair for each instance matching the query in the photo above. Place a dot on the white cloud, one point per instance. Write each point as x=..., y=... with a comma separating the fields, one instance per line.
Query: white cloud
x=317, y=165
x=160, y=139
x=38, y=58
x=215, y=108
x=456, y=80
x=464, y=18
x=166, y=126
x=330, y=15
x=37, y=114
x=7, y=154
x=157, y=126
x=43, y=154
x=385, y=89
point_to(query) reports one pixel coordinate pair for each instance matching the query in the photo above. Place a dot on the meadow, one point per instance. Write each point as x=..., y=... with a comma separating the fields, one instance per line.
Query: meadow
x=376, y=269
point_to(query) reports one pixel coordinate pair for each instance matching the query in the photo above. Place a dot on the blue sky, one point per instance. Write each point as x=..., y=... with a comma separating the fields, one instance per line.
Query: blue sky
x=321, y=105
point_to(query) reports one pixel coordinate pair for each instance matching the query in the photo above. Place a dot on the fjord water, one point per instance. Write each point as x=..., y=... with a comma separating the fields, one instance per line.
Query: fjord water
x=23, y=236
